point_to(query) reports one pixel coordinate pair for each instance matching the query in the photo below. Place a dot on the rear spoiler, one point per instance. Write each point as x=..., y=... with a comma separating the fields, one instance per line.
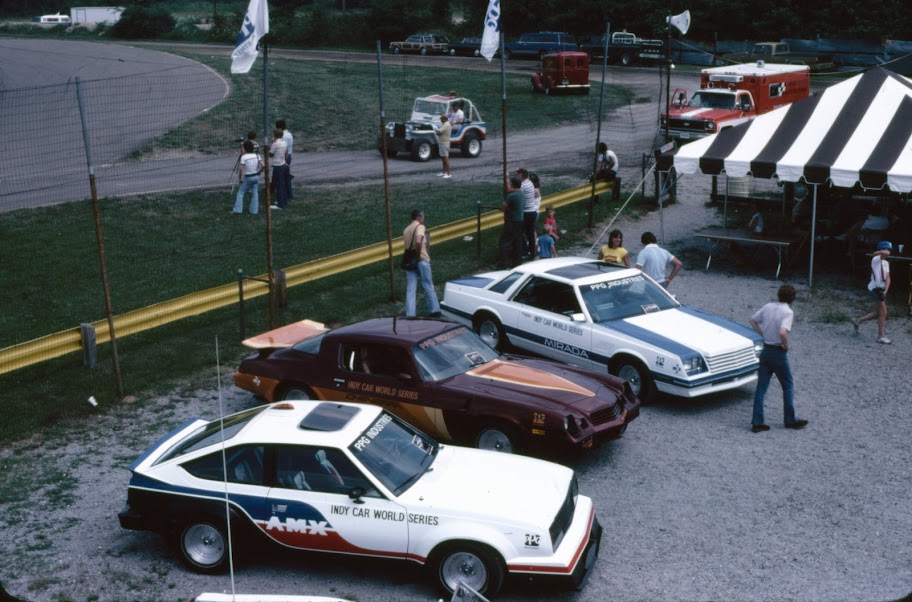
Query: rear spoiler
x=286, y=336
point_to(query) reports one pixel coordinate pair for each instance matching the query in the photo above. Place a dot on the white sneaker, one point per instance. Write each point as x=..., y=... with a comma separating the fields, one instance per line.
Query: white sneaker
x=447, y=176
x=441, y=174
x=884, y=341
x=274, y=207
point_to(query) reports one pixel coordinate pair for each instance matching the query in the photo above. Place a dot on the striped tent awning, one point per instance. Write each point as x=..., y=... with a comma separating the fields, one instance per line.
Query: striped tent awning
x=857, y=131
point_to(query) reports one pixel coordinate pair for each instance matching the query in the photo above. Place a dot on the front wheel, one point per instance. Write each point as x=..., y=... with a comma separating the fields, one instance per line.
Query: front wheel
x=497, y=437
x=292, y=392
x=423, y=51
x=470, y=564
x=638, y=376
x=626, y=59
x=507, y=55
x=396, y=50
x=422, y=151
x=471, y=145
x=204, y=547
x=488, y=328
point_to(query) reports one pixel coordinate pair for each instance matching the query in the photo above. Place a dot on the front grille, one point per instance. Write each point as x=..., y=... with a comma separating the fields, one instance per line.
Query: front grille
x=399, y=130
x=687, y=125
x=606, y=414
x=564, y=516
x=734, y=360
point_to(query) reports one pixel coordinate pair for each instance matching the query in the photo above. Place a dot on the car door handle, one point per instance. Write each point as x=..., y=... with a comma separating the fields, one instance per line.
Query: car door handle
x=339, y=382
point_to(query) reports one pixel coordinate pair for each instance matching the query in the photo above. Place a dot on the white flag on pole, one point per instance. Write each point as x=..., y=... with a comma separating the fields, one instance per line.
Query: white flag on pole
x=490, y=38
x=255, y=26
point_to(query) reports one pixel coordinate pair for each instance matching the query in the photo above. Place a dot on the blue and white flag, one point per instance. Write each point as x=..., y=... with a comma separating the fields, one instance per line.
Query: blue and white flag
x=255, y=26
x=490, y=38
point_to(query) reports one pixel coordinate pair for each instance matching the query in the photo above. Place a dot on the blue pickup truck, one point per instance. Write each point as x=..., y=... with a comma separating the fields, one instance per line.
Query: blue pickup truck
x=537, y=45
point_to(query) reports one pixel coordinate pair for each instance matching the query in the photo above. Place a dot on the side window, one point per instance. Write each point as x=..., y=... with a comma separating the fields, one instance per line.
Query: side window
x=378, y=360
x=548, y=295
x=325, y=470
x=506, y=283
x=245, y=465
x=776, y=90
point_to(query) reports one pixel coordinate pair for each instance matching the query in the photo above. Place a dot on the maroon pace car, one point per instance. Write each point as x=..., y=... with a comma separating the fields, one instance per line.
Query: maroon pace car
x=441, y=377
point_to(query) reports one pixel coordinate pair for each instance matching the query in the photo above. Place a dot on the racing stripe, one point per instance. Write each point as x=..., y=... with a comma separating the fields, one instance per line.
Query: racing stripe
x=742, y=329
x=528, y=377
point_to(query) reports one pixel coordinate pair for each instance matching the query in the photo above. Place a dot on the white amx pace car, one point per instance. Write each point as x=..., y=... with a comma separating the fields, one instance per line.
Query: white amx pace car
x=597, y=314
x=353, y=479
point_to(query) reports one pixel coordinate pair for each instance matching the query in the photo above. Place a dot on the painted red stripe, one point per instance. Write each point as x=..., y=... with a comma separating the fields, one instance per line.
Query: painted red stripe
x=531, y=568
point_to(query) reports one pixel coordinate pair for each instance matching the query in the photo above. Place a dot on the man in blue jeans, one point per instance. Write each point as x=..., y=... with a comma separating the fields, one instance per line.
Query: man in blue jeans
x=774, y=323
x=415, y=236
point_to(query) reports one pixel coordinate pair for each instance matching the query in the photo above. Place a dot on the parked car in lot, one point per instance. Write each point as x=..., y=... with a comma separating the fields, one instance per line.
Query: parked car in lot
x=441, y=377
x=536, y=45
x=354, y=479
x=417, y=138
x=562, y=72
x=600, y=315
x=422, y=43
x=467, y=47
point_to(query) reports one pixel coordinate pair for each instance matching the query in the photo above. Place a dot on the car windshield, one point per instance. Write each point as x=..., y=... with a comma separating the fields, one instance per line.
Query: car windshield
x=430, y=107
x=713, y=100
x=624, y=298
x=394, y=452
x=450, y=353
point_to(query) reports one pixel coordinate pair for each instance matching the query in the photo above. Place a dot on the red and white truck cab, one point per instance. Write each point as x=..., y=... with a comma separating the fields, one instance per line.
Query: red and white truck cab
x=734, y=94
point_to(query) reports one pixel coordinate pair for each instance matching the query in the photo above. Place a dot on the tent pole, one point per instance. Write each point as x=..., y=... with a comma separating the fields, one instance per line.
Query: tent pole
x=725, y=205
x=813, y=238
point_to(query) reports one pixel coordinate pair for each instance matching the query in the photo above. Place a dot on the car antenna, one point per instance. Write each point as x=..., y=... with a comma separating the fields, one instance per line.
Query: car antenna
x=218, y=369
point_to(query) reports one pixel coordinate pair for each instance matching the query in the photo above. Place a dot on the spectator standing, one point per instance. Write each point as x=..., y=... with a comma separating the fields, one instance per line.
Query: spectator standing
x=289, y=145
x=443, y=132
x=456, y=115
x=249, y=167
x=277, y=155
x=774, y=323
x=877, y=288
x=654, y=260
x=614, y=251
x=416, y=236
x=551, y=220
x=252, y=137
x=531, y=204
x=546, y=246
x=511, y=237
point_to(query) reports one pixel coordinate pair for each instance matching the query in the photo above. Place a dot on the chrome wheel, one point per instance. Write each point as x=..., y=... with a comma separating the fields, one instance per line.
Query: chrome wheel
x=495, y=439
x=463, y=568
x=631, y=375
x=203, y=546
x=422, y=151
x=489, y=331
x=296, y=392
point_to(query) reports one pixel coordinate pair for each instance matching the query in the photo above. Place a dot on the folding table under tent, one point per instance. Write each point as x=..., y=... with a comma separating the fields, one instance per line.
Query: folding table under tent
x=858, y=131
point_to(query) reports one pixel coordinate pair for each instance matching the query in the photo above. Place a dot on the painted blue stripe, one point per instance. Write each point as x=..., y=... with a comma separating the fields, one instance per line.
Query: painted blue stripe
x=651, y=338
x=159, y=443
x=744, y=330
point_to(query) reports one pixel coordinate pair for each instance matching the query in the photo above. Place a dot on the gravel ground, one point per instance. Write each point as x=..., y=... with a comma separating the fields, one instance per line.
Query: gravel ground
x=694, y=505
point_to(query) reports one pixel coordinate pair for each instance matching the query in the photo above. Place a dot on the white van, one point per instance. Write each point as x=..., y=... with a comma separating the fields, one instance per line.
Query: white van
x=57, y=19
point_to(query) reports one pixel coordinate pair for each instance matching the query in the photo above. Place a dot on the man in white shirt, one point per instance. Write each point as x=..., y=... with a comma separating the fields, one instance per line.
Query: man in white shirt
x=877, y=288
x=249, y=167
x=531, y=205
x=289, y=145
x=279, y=183
x=654, y=260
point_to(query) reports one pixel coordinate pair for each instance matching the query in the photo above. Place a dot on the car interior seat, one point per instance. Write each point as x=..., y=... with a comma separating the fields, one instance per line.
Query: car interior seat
x=328, y=467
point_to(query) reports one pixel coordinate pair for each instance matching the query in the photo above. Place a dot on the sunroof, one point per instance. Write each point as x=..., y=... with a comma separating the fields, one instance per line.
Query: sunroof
x=329, y=417
x=582, y=270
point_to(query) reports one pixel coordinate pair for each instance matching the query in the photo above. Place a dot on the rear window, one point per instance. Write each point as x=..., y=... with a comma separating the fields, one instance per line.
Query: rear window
x=212, y=433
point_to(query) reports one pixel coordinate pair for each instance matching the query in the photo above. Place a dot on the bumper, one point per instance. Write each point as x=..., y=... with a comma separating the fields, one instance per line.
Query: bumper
x=130, y=519
x=706, y=389
x=258, y=385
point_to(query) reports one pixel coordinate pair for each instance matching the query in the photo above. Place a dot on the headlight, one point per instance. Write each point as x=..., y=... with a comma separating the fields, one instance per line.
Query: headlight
x=694, y=364
x=574, y=425
x=663, y=121
x=758, y=348
x=390, y=127
x=710, y=126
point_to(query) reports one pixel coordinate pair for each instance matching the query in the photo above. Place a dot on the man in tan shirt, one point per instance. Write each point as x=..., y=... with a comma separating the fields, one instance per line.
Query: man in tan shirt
x=415, y=236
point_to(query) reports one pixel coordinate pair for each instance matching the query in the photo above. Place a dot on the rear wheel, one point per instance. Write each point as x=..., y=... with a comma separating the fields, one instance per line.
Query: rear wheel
x=507, y=55
x=626, y=59
x=396, y=50
x=204, y=546
x=488, y=328
x=423, y=51
x=635, y=373
x=291, y=392
x=421, y=151
x=471, y=564
x=471, y=145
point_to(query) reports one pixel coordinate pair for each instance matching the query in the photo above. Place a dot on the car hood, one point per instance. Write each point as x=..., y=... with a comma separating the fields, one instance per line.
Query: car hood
x=529, y=379
x=506, y=488
x=700, y=113
x=686, y=327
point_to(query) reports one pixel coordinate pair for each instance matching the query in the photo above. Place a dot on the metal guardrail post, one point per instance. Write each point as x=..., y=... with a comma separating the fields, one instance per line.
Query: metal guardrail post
x=281, y=286
x=89, y=347
x=240, y=277
x=478, y=229
x=642, y=185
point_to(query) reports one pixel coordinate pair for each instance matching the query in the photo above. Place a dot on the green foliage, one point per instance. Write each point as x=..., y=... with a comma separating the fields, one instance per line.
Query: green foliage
x=139, y=22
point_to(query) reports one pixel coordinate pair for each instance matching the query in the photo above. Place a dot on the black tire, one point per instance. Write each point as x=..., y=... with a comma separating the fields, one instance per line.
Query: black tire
x=294, y=391
x=422, y=151
x=477, y=52
x=635, y=373
x=490, y=330
x=507, y=55
x=452, y=52
x=626, y=59
x=498, y=436
x=396, y=50
x=203, y=546
x=390, y=153
x=547, y=90
x=471, y=145
x=422, y=51
x=470, y=563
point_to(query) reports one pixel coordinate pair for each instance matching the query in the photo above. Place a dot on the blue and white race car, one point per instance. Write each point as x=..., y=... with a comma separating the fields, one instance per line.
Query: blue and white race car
x=597, y=315
x=353, y=479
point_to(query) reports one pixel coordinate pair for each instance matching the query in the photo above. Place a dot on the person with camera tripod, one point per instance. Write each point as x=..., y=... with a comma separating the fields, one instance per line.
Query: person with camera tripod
x=249, y=167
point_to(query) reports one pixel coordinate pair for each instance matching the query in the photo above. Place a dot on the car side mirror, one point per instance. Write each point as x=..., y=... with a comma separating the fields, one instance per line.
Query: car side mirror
x=578, y=317
x=355, y=494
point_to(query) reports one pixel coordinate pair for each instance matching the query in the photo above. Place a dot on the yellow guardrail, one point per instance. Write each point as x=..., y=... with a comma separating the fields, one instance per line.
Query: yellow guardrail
x=70, y=341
